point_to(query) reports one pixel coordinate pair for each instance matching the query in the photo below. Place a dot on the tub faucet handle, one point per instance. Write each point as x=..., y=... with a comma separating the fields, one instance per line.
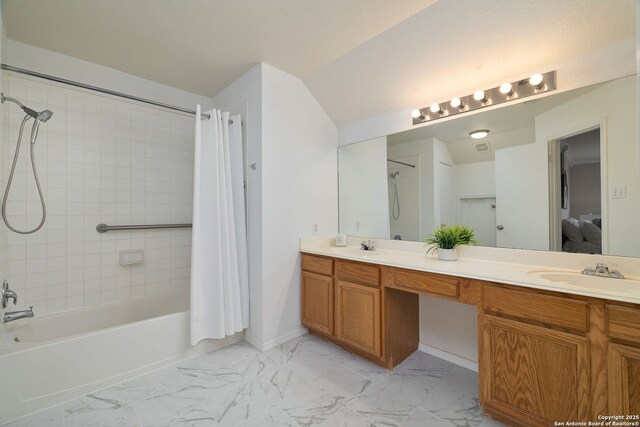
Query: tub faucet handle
x=8, y=294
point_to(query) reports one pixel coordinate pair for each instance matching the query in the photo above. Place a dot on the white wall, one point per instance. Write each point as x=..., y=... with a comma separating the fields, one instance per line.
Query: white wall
x=100, y=159
x=449, y=327
x=443, y=205
x=299, y=187
x=475, y=179
x=614, y=106
x=293, y=144
x=364, y=196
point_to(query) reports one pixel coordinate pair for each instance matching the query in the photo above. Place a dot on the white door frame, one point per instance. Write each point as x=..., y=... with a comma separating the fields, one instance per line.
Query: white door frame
x=555, y=222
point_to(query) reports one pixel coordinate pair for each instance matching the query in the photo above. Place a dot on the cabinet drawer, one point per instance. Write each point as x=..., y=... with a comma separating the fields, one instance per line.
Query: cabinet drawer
x=427, y=283
x=359, y=273
x=623, y=323
x=318, y=265
x=532, y=307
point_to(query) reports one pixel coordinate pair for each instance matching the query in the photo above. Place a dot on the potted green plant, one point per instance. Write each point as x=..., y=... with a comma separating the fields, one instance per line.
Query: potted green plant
x=446, y=238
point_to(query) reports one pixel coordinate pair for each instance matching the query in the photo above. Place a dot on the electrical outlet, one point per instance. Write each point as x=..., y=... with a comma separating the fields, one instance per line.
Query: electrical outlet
x=314, y=228
x=620, y=192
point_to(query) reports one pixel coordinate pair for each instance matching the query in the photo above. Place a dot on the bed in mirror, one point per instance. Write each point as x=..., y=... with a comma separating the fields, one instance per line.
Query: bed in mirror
x=557, y=173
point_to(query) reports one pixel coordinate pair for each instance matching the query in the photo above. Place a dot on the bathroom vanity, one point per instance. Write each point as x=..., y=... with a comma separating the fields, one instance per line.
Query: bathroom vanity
x=547, y=351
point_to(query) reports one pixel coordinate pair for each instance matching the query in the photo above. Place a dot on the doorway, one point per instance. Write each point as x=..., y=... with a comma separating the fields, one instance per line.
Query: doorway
x=577, y=194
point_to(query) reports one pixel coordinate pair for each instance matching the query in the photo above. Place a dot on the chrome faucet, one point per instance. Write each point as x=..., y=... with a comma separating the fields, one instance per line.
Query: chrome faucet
x=368, y=246
x=8, y=294
x=10, y=316
x=602, y=270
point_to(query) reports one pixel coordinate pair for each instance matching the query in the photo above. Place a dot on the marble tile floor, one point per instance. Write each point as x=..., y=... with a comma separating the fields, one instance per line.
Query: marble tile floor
x=304, y=382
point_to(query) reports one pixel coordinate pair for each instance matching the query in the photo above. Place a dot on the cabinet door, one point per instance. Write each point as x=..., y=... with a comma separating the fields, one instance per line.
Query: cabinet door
x=533, y=374
x=624, y=379
x=317, y=302
x=358, y=316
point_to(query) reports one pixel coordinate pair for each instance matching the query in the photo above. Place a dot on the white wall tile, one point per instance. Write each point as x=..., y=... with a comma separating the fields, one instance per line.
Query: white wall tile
x=99, y=160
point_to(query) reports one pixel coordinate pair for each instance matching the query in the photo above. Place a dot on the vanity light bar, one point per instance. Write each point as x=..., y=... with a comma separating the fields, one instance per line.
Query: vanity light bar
x=534, y=85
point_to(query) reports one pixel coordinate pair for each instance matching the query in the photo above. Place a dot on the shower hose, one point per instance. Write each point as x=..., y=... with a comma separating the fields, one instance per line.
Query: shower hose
x=35, y=175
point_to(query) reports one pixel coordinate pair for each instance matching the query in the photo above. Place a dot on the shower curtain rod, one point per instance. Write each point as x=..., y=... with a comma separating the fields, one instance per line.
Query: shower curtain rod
x=101, y=90
x=401, y=163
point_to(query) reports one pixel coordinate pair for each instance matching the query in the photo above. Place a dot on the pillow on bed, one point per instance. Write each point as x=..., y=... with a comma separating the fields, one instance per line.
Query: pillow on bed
x=571, y=229
x=591, y=233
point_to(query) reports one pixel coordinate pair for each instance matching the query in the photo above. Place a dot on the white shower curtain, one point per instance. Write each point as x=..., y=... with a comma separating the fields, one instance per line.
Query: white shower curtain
x=219, y=271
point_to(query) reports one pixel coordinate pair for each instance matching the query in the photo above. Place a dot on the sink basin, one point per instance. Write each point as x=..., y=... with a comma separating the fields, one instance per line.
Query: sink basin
x=590, y=282
x=356, y=252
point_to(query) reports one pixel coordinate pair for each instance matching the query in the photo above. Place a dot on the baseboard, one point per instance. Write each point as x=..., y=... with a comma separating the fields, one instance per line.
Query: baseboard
x=449, y=357
x=265, y=346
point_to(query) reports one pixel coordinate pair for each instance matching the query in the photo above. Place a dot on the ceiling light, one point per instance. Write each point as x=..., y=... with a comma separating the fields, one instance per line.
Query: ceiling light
x=506, y=89
x=435, y=108
x=457, y=103
x=534, y=85
x=479, y=133
x=479, y=95
x=536, y=80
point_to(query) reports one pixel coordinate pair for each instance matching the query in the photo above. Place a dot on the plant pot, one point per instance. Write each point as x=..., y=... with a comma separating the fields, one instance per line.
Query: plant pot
x=447, y=254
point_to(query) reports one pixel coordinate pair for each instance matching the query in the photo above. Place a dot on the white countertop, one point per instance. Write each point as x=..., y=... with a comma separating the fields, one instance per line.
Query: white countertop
x=526, y=275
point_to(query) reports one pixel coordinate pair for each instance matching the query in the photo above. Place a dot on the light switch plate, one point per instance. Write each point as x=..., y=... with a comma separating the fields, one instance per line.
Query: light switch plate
x=620, y=192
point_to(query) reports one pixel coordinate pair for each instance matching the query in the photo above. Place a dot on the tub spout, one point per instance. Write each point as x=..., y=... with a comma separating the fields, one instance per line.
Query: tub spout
x=10, y=316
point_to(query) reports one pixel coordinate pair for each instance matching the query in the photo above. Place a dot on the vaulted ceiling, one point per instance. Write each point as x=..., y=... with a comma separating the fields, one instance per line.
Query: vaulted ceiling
x=359, y=58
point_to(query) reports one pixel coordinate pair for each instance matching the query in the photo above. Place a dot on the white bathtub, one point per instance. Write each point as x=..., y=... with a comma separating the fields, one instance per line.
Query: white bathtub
x=46, y=361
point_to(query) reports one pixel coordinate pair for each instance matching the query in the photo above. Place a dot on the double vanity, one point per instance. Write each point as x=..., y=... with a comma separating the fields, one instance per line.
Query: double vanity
x=553, y=345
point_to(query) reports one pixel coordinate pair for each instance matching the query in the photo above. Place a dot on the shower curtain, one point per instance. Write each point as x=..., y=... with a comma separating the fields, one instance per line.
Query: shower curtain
x=219, y=269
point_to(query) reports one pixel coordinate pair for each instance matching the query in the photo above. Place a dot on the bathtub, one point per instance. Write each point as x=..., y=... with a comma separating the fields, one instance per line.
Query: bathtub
x=46, y=361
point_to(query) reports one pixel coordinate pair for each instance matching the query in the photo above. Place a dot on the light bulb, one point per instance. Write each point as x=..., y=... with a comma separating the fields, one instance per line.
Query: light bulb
x=506, y=88
x=435, y=108
x=457, y=103
x=479, y=95
x=416, y=114
x=479, y=134
x=536, y=80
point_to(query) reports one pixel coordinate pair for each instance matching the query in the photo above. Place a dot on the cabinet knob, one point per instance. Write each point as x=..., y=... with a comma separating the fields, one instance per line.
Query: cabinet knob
x=500, y=227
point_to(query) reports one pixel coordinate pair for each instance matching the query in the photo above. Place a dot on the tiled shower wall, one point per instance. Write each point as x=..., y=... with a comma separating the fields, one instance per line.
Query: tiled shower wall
x=100, y=160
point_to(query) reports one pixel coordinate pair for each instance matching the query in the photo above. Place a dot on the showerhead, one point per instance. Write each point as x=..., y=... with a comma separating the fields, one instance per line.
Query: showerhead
x=45, y=115
x=42, y=116
x=394, y=174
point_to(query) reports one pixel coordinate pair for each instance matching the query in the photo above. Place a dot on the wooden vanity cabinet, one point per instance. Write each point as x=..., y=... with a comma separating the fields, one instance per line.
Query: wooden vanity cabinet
x=623, y=329
x=341, y=300
x=544, y=356
x=535, y=356
x=533, y=374
x=357, y=306
x=317, y=293
x=357, y=316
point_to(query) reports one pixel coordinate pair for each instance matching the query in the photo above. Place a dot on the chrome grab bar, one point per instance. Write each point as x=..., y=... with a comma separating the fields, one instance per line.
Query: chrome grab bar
x=103, y=228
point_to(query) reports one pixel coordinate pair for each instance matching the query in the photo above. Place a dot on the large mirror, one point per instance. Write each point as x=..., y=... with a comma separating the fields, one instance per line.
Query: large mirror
x=557, y=173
